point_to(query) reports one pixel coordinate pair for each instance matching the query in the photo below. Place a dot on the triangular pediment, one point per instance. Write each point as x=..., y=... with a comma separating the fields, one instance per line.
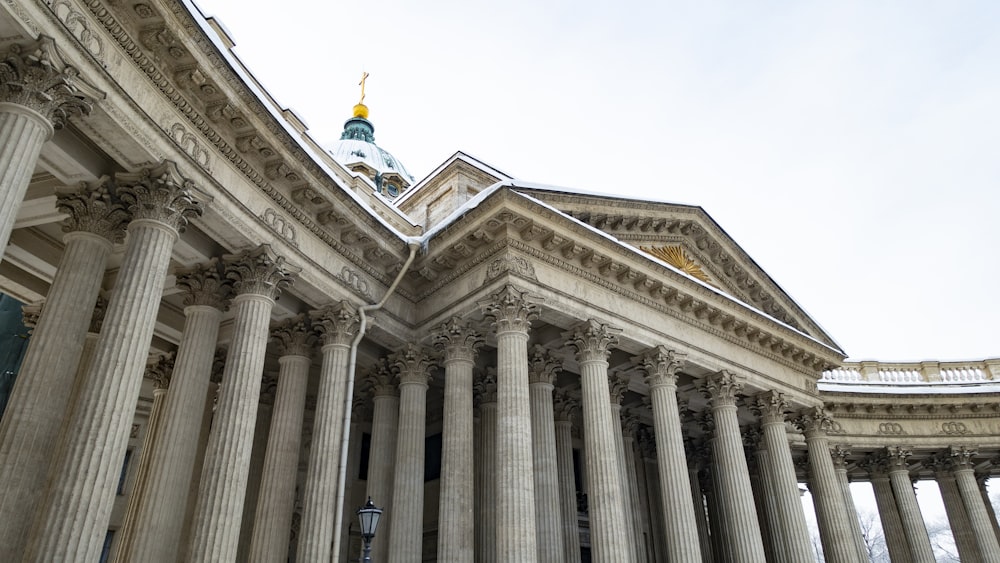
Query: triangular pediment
x=689, y=240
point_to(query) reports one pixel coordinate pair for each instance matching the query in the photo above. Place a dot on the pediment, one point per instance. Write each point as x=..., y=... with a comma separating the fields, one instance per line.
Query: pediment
x=688, y=239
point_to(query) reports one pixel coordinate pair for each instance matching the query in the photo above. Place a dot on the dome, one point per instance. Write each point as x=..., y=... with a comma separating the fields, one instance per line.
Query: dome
x=357, y=151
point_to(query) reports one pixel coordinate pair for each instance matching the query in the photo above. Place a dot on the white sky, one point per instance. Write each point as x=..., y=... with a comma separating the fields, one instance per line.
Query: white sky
x=851, y=148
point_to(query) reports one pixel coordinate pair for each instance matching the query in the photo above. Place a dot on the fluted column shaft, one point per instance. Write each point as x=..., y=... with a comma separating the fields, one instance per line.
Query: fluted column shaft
x=382, y=455
x=839, y=457
x=23, y=131
x=339, y=324
x=40, y=400
x=512, y=311
x=456, y=517
x=516, y=527
x=160, y=520
x=73, y=520
x=791, y=533
x=958, y=518
x=567, y=490
x=406, y=534
x=486, y=498
x=965, y=479
x=831, y=510
x=548, y=511
x=628, y=510
x=226, y=469
x=892, y=526
x=139, y=494
x=631, y=472
x=700, y=514
x=609, y=535
x=732, y=475
x=677, y=511
x=276, y=503
x=909, y=511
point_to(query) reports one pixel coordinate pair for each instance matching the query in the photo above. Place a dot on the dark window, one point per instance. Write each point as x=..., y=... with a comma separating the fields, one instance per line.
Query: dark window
x=366, y=447
x=432, y=457
x=121, y=478
x=106, y=550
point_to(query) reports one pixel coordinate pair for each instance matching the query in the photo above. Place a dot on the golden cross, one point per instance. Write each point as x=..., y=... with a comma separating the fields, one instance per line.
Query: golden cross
x=364, y=76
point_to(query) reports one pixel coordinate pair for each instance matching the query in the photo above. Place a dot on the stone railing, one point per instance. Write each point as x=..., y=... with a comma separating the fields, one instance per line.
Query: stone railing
x=914, y=373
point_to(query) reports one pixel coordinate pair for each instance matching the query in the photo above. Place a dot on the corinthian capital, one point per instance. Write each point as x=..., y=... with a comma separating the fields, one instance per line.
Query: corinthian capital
x=381, y=379
x=159, y=194
x=814, y=421
x=617, y=386
x=36, y=76
x=592, y=340
x=895, y=458
x=259, y=272
x=660, y=365
x=961, y=457
x=770, y=406
x=457, y=340
x=412, y=364
x=565, y=405
x=204, y=285
x=485, y=387
x=721, y=388
x=542, y=367
x=337, y=323
x=511, y=309
x=294, y=337
x=840, y=456
x=91, y=209
x=161, y=371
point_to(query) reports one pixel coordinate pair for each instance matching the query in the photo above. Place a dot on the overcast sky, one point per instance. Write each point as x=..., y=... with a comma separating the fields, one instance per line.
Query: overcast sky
x=851, y=148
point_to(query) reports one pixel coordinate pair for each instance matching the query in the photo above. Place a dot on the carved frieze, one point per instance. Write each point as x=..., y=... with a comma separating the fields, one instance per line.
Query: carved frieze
x=279, y=225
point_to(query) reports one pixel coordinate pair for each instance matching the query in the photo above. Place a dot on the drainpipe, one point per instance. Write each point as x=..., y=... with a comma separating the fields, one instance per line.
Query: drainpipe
x=349, y=396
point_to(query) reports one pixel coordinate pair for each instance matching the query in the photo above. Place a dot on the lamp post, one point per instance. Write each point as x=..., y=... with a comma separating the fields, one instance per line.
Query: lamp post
x=369, y=516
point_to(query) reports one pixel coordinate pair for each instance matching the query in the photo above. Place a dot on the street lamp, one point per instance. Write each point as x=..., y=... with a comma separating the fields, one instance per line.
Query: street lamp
x=369, y=516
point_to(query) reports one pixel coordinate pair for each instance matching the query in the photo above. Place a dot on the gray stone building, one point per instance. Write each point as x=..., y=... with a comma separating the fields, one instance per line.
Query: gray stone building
x=238, y=335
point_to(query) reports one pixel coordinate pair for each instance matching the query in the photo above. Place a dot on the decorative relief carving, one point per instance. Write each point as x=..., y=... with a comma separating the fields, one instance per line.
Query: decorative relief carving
x=143, y=11
x=190, y=145
x=355, y=282
x=280, y=225
x=78, y=26
x=953, y=428
x=891, y=429
x=517, y=265
x=160, y=194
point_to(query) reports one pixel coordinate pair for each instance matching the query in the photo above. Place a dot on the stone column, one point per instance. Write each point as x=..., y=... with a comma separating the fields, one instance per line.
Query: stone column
x=636, y=433
x=159, y=373
x=45, y=389
x=512, y=311
x=885, y=500
x=382, y=455
x=630, y=424
x=542, y=373
x=660, y=366
x=258, y=277
x=836, y=530
x=456, y=518
x=160, y=520
x=792, y=533
x=276, y=501
x=656, y=545
x=337, y=325
x=618, y=384
x=73, y=520
x=695, y=470
x=564, y=407
x=757, y=463
x=981, y=479
x=407, y=533
x=909, y=511
x=486, y=457
x=732, y=474
x=39, y=92
x=839, y=457
x=965, y=478
x=958, y=518
x=608, y=533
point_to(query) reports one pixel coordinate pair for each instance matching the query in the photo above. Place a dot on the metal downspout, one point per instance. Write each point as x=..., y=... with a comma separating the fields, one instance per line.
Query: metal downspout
x=349, y=397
